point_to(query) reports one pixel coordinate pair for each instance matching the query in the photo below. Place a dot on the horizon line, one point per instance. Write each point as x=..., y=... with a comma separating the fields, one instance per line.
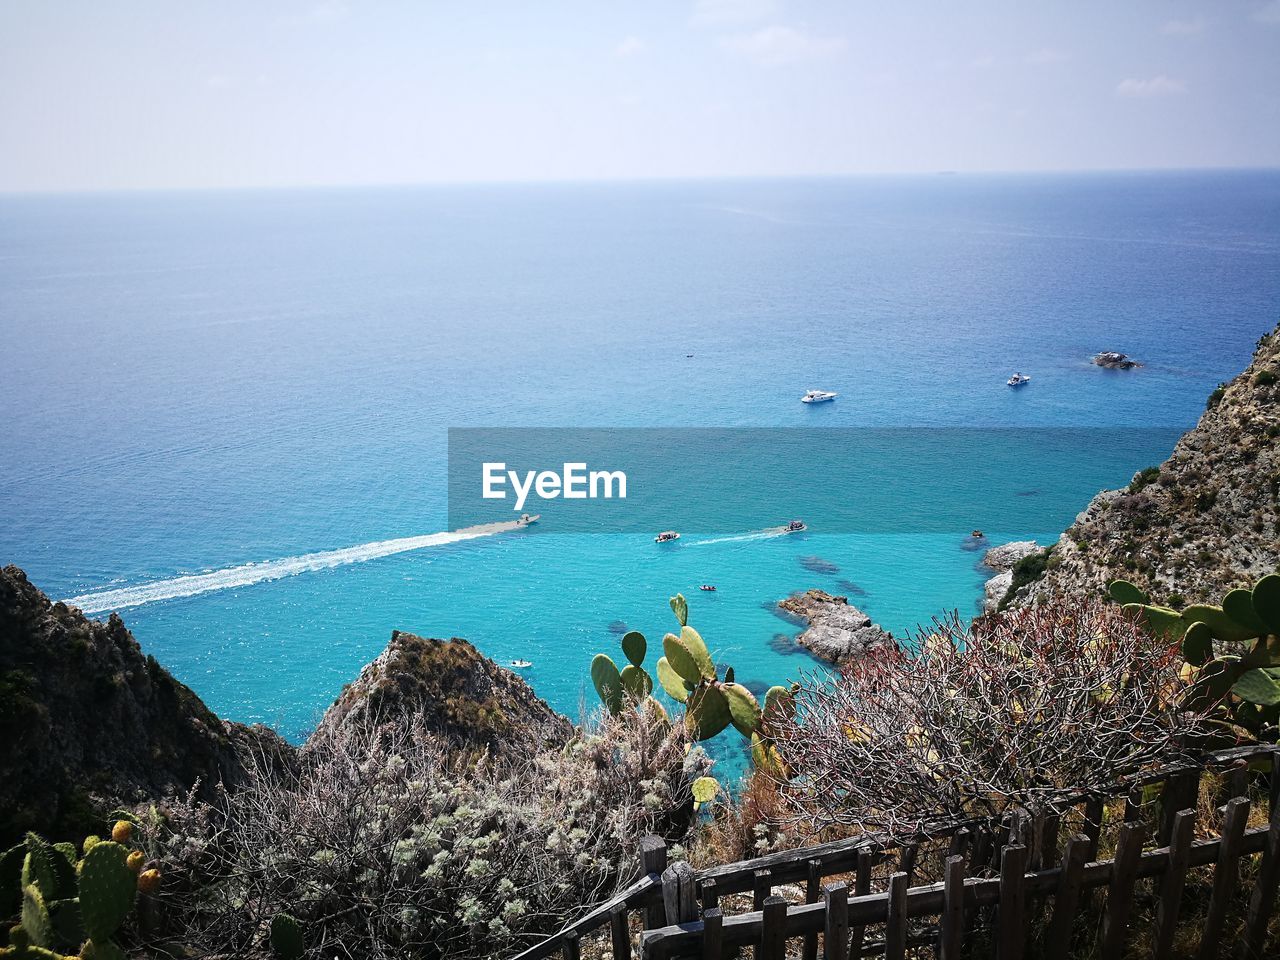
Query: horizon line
x=620, y=180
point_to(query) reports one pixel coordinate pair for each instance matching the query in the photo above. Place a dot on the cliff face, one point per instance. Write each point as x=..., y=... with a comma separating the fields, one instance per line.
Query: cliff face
x=87, y=720
x=452, y=691
x=1206, y=521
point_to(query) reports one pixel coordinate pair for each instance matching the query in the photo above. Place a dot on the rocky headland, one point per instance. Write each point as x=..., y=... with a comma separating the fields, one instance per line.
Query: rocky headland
x=1001, y=560
x=837, y=631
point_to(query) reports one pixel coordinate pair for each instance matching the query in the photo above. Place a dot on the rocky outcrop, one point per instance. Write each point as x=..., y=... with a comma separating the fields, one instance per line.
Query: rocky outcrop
x=454, y=692
x=1204, y=521
x=87, y=721
x=1115, y=361
x=838, y=631
x=1001, y=559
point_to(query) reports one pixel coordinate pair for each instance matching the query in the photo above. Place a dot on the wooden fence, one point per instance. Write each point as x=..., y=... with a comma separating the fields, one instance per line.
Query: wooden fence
x=996, y=878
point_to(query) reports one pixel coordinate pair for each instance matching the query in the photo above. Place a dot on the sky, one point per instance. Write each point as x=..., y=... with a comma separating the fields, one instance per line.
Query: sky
x=139, y=94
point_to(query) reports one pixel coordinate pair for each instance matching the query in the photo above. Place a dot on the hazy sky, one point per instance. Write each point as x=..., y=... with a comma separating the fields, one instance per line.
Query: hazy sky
x=157, y=93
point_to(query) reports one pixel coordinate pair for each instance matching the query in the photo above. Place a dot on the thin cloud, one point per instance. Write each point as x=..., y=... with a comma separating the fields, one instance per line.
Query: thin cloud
x=1045, y=56
x=1268, y=13
x=1184, y=28
x=719, y=13
x=630, y=47
x=1159, y=86
x=777, y=46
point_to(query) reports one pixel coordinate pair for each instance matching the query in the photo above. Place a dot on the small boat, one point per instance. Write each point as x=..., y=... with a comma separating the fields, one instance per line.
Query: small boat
x=1018, y=380
x=666, y=536
x=709, y=587
x=528, y=518
x=521, y=664
x=795, y=526
x=818, y=396
x=978, y=535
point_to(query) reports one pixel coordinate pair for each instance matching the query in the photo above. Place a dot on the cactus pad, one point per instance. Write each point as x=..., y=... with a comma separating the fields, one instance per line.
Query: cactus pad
x=680, y=607
x=707, y=713
x=107, y=890
x=671, y=681
x=693, y=642
x=744, y=709
x=1266, y=601
x=35, y=917
x=634, y=646
x=286, y=937
x=636, y=681
x=608, y=682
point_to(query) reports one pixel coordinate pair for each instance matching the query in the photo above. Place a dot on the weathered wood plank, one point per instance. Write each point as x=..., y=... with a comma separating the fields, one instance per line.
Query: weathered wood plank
x=1181, y=792
x=895, y=928
x=708, y=894
x=861, y=888
x=571, y=949
x=1175, y=878
x=1115, y=922
x=678, y=899
x=835, y=936
x=619, y=935
x=951, y=924
x=812, y=890
x=712, y=928
x=1011, y=934
x=773, y=939
x=1262, y=900
x=1066, y=901
x=1225, y=874
x=761, y=888
x=653, y=859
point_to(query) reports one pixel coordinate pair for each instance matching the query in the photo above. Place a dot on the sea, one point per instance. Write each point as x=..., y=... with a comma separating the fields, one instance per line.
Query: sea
x=226, y=413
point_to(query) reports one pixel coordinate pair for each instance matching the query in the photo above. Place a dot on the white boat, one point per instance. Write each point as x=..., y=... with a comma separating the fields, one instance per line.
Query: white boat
x=1018, y=380
x=521, y=664
x=528, y=518
x=818, y=396
x=666, y=536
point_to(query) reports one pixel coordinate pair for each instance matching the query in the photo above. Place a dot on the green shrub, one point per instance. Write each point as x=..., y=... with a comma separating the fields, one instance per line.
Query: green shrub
x=1265, y=377
x=1144, y=478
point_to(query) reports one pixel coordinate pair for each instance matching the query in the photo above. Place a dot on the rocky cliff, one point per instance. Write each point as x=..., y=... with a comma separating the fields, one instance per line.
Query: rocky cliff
x=1202, y=522
x=86, y=720
x=453, y=691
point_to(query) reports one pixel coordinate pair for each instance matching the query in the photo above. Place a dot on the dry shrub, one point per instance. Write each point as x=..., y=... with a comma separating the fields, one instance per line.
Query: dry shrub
x=384, y=844
x=1025, y=709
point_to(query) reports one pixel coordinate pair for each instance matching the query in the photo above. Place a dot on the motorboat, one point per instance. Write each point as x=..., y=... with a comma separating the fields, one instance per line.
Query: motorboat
x=521, y=664
x=708, y=587
x=795, y=526
x=818, y=396
x=1017, y=380
x=528, y=518
x=666, y=536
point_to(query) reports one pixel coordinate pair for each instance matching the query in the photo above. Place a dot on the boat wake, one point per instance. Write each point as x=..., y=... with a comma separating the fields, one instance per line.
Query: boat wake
x=247, y=574
x=767, y=534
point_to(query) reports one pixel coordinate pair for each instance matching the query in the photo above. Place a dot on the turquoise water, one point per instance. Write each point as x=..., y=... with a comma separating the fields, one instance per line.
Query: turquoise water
x=196, y=382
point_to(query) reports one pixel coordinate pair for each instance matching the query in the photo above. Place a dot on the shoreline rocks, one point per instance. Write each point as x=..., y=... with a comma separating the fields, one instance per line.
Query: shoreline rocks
x=1001, y=560
x=838, y=631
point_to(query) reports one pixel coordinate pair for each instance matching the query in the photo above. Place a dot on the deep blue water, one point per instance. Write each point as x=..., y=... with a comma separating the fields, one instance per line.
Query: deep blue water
x=194, y=382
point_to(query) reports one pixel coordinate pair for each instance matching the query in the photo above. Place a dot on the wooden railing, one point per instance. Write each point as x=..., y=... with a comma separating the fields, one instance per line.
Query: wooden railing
x=991, y=875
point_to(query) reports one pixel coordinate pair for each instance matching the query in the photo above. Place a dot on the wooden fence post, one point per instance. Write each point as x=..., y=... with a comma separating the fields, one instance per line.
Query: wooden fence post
x=861, y=887
x=1175, y=878
x=571, y=950
x=762, y=887
x=678, y=898
x=835, y=938
x=1066, y=901
x=1115, y=922
x=1181, y=792
x=712, y=933
x=951, y=924
x=1093, y=825
x=1262, y=901
x=708, y=894
x=773, y=936
x=619, y=935
x=1225, y=874
x=895, y=928
x=1013, y=898
x=812, y=889
x=653, y=860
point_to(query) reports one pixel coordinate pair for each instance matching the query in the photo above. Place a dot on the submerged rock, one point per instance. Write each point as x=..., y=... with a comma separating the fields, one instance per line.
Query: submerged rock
x=837, y=630
x=819, y=565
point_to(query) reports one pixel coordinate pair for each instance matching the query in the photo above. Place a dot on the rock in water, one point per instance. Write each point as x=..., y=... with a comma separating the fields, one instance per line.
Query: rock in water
x=1002, y=558
x=837, y=631
x=87, y=721
x=454, y=692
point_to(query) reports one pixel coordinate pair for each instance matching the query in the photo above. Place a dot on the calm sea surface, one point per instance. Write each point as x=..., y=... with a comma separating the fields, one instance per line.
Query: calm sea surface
x=202, y=384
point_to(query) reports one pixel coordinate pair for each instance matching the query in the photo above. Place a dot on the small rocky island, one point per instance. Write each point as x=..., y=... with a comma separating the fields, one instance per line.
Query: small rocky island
x=1115, y=361
x=838, y=631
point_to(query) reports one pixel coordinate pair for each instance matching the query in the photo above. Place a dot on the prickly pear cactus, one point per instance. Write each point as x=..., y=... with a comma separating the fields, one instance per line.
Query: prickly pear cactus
x=1232, y=651
x=286, y=937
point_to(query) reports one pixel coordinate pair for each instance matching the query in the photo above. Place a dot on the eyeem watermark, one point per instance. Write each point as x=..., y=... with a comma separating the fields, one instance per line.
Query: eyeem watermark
x=576, y=482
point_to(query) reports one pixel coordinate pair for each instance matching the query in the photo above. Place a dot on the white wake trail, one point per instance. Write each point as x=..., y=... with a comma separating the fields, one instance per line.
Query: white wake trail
x=767, y=534
x=246, y=574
